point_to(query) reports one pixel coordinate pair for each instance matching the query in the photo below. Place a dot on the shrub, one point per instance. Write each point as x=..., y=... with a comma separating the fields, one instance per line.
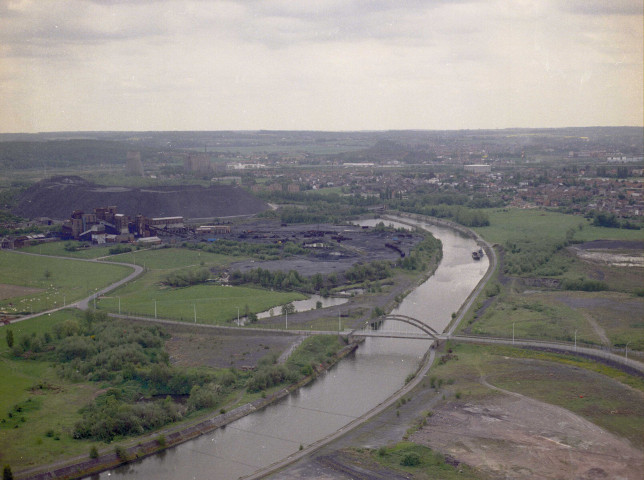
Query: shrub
x=93, y=452
x=410, y=459
x=121, y=454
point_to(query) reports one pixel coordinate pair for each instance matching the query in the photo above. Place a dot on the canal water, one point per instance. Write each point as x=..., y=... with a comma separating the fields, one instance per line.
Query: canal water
x=358, y=383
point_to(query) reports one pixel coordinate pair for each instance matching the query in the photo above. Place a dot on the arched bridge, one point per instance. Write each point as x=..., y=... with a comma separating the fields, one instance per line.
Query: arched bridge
x=427, y=331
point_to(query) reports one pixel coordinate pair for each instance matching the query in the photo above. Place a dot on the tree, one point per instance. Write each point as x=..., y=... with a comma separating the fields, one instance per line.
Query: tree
x=288, y=308
x=10, y=338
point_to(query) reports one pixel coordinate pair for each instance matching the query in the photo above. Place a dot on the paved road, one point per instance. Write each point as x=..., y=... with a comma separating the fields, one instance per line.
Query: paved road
x=84, y=303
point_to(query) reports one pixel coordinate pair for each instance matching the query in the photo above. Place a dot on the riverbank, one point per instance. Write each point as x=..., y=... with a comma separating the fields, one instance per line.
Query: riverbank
x=168, y=438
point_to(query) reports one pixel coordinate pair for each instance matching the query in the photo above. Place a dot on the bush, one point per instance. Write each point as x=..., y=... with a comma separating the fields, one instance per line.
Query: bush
x=411, y=459
x=120, y=249
x=206, y=396
x=187, y=277
x=93, y=452
x=121, y=454
x=584, y=285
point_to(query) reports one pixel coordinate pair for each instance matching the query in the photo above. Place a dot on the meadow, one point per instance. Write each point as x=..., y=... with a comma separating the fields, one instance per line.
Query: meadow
x=58, y=281
x=511, y=223
x=30, y=392
x=57, y=249
x=210, y=303
x=534, y=244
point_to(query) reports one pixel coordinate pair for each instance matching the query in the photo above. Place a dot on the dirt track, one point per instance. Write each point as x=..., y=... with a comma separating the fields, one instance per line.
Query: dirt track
x=513, y=436
x=503, y=435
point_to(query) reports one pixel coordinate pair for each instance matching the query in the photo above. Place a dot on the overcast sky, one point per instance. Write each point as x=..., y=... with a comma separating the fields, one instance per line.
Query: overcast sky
x=319, y=65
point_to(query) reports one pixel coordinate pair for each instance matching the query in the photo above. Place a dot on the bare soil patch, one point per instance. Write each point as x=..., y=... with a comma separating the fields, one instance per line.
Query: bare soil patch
x=9, y=291
x=213, y=349
x=518, y=437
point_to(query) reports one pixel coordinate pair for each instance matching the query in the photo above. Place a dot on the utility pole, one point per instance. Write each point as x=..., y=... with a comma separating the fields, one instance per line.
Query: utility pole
x=286, y=319
x=575, y=340
x=238, y=316
x=512, y=333
x=155, y=309
x=119, y=305
x=339, y=322
x=194, y=306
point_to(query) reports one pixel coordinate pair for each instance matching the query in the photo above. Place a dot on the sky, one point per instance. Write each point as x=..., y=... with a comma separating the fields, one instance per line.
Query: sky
x=140, y=65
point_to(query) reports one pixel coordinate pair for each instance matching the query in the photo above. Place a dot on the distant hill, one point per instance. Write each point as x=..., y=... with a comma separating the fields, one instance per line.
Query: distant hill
x=57, y=197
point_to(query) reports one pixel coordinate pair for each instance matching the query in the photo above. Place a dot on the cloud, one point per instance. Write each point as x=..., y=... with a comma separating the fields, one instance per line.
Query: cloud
x=602, y=7
x=329, y=64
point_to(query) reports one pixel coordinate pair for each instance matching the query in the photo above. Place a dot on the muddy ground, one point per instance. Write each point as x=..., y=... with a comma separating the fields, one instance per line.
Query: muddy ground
x=9, y=291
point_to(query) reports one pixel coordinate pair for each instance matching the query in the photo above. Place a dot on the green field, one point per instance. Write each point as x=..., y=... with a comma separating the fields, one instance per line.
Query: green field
x=213, y=304
x=57, y=281
x=533, y=316
x=34, y=388
x=58, y=249
x=536, y=223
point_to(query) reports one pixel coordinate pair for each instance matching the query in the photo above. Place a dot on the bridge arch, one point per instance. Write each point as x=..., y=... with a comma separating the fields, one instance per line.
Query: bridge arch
x=408, y=320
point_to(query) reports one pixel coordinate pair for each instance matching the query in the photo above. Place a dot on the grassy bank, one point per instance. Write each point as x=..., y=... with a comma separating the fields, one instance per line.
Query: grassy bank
x=87, y=376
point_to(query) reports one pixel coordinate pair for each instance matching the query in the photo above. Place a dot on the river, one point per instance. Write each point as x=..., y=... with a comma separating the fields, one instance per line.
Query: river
x=358, y=383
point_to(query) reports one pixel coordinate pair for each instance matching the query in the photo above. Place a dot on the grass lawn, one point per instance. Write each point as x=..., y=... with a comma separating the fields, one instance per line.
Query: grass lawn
x=515, y=223
x=57, y=280
x=214, y=304
x=58, y=249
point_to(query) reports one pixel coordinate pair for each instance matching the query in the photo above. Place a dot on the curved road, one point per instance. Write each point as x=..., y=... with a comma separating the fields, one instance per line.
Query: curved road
x=83, y=304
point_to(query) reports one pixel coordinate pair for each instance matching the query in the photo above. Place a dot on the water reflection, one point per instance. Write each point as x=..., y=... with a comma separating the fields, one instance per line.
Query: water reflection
x=310, y=303
x=357, y=384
